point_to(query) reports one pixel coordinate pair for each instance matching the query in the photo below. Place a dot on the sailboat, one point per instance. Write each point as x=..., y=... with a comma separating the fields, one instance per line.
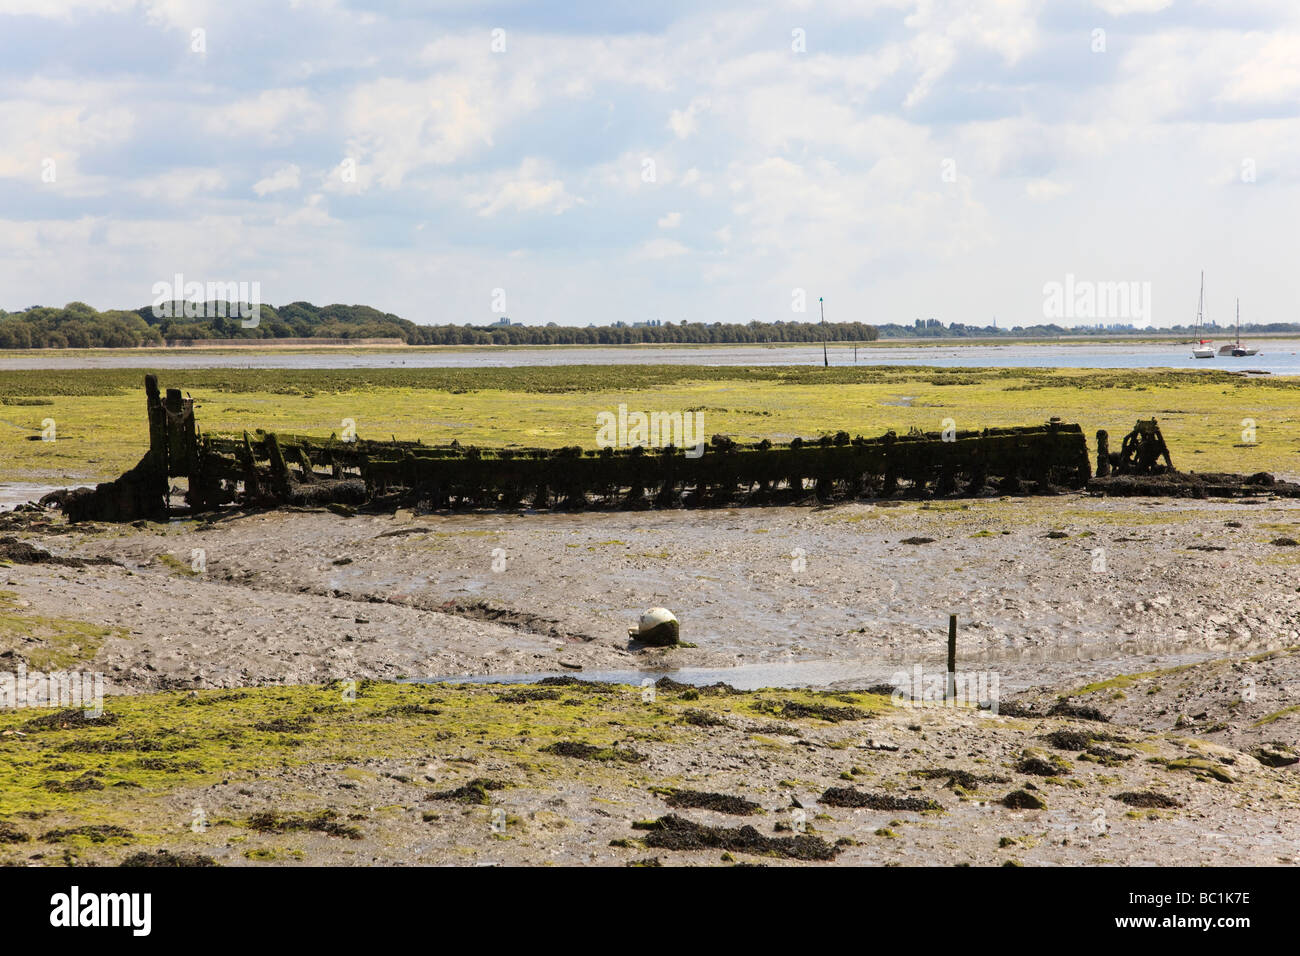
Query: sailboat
x=1238, y=350
x=1203, y=349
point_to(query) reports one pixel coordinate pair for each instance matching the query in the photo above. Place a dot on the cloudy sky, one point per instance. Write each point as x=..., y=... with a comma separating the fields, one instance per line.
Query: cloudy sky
x=671, y=160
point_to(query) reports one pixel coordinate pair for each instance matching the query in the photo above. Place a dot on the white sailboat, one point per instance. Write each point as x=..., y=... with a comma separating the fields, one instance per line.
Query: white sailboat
x=1203, y=349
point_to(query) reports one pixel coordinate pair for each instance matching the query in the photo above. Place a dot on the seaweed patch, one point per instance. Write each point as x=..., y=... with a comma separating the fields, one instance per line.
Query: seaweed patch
x=850, y=797
x=672, y=832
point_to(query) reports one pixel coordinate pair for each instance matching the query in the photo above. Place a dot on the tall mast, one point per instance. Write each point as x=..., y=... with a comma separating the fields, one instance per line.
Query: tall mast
x=825, y=358
x=1238, y=323
x=1200, y=303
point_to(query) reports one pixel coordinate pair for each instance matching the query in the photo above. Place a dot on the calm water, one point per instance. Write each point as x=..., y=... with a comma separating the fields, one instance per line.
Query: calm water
x=20, y=492
x=1277, y=356
x=1015, y=672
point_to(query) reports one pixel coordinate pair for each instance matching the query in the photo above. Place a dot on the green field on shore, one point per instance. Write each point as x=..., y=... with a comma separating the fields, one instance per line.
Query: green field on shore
x=100, y=430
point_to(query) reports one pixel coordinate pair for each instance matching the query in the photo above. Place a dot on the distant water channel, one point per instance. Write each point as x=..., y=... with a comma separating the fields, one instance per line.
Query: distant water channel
x=1016, y=672
x=1276, y=356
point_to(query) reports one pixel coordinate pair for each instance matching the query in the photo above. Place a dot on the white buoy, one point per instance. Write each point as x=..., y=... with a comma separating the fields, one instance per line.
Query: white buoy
x=658, y=626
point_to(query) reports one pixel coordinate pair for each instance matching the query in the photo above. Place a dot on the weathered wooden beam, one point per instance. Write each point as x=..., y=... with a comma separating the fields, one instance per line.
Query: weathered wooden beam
x=304, y=462
x=280, y=483
x=252, y=485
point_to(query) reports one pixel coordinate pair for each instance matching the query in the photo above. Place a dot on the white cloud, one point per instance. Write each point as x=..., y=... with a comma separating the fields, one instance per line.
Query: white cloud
x=271, y=117
x=313, y=213
x=525, y=190
x=287, y=177
x=62, y=9
x=170, y=13
x=660, y=249
x=1121, y=8
x=1267, y=72
x=1041, y=190
x=397, y=126
x=40, y=128
x=683, y=123
x=945, y=28
x=177, y=185
x=670, y=221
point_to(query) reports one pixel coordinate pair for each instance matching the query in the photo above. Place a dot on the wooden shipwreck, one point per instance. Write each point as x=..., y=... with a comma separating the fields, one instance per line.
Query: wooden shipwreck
x=265, y=469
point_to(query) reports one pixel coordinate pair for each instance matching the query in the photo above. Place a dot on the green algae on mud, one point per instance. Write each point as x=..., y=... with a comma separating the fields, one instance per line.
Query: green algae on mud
x=577, y=378
x=48, y=644
x=372, y=770
x=215, y=735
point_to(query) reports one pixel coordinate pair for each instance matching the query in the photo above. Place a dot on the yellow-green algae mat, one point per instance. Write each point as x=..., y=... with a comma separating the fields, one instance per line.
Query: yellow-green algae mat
x=347, y=772
x=49, y=643
x=132, y=777
x=102, y=429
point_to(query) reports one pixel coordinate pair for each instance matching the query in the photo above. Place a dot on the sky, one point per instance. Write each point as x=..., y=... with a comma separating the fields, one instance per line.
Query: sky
x=595, y=162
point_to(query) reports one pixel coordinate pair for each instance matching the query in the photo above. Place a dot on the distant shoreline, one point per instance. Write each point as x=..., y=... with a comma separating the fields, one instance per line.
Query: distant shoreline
x=336, y=345
x=322, y=343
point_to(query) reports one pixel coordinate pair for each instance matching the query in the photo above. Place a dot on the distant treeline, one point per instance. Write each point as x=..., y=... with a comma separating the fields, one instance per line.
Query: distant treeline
x=78, y=325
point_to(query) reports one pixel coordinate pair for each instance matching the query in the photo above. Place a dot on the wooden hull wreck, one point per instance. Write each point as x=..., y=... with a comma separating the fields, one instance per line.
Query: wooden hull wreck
x=265, y=469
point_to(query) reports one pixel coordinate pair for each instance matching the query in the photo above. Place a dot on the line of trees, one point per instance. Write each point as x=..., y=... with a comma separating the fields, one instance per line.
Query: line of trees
x=77, y=325
x=693, y=333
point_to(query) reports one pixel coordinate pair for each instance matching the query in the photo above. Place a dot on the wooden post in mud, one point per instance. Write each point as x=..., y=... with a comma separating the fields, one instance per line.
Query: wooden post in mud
x=279, y=470
x=178, y=448
x=157, y=422
x=952, y=657
x=155, y=495
x=249, y=463
x=1103, y=453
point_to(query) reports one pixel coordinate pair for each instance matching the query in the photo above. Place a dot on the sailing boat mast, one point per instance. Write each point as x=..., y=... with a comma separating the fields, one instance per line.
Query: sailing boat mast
x=1200, y=304
x=825, y=358
x=1201, y=349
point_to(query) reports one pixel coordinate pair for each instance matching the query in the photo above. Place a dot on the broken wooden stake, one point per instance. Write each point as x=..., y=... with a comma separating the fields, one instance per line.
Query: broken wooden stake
x=952, y=657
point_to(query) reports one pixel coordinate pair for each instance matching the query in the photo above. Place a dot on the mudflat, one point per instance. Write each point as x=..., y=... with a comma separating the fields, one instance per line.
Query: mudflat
x=268, y=699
